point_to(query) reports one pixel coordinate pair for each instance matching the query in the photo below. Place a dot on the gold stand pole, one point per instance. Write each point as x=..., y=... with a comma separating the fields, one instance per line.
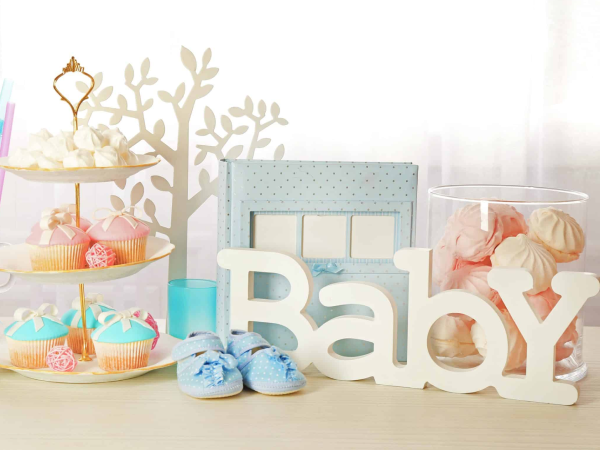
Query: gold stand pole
x=84, y=350
x=73, y=66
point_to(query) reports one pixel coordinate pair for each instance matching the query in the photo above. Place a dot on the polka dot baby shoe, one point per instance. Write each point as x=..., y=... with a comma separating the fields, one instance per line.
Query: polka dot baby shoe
x=265, y=368
x=204, y=370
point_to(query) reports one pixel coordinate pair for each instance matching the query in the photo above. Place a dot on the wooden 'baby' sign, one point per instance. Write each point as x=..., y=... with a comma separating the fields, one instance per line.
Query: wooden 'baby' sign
x=315, y=344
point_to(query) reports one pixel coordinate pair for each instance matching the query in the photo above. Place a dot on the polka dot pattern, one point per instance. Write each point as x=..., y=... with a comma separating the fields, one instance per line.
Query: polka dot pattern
x=248, y=188
x=203, y=368
x=268, y=369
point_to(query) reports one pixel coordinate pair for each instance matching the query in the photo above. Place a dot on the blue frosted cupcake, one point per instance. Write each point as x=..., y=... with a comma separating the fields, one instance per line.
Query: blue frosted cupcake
x=72, y=319
x=124, y=341
x=33, y=334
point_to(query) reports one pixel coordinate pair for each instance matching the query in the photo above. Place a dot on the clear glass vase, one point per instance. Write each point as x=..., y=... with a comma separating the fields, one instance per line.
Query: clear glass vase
x=474, y=227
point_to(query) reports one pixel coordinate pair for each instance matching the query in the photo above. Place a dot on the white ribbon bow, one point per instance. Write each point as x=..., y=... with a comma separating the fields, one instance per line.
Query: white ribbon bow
x=112, y=215
x=93, y=302
x=24, y=315
x=108, y=318
x=69, y=208
x=53, y=219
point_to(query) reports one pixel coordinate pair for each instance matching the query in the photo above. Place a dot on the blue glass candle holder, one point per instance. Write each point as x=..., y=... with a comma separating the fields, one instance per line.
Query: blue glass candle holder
x=192, y=307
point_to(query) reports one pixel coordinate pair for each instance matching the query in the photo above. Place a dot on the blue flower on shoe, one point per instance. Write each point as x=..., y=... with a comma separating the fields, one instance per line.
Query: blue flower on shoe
x=204, y=370
x=210, y=367
x=288, y=364
x=264, y=368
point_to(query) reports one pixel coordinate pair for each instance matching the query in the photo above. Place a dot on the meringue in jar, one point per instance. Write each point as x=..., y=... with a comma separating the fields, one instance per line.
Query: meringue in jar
x=558, y=232
x=474, y=229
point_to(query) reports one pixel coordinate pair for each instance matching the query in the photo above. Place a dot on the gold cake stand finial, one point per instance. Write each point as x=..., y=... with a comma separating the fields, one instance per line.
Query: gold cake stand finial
x=74, y=66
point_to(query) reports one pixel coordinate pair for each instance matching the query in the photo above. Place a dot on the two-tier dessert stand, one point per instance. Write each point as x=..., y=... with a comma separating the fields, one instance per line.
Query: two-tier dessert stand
x=15, y=259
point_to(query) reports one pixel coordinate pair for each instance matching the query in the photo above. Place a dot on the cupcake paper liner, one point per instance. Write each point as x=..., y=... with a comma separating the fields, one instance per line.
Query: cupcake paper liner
x=76, y=337
x=129, y=251
x=31, y=354
x=58, y=257
x=115, y=357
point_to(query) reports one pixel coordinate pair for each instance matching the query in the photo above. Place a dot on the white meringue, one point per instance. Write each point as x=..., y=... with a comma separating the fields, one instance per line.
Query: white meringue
x=36, y=140
x=88, y=138
x=58, y=147
x=23, y=158
x=108, y=157
x=131, y=159
x=117, y=140
x=79, y=158
x=520, y=251
x=479, y=339
x=517, y=347
x=68, y=135
x=450, y=337
x=558, y=232
x=47, y=163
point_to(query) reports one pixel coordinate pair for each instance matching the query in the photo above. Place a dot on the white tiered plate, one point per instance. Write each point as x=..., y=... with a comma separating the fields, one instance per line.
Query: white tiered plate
x=80, y=174
x=90, y=372
x=14, y=259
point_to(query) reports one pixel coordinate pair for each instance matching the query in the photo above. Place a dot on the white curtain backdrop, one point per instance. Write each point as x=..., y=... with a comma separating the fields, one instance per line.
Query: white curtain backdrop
x=471, y=91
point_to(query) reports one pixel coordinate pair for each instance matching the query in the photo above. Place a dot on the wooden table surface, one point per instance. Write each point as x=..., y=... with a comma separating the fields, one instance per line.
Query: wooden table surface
x=151, y=413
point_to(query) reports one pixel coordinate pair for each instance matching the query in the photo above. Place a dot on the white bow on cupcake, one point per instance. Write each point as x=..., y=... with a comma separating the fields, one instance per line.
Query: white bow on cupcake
x=53, y=219
x=108, y=318
x=93, y=302
x=64, y=208
x=24, y=315
x=112, y=215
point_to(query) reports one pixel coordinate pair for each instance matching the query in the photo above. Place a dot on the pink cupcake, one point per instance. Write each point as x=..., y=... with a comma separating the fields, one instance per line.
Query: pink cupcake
x=125, y=234
x=56, y=244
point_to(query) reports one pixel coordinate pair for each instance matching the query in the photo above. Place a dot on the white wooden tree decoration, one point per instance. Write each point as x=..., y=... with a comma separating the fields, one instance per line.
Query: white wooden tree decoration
x=182, y=100
x=422, y=366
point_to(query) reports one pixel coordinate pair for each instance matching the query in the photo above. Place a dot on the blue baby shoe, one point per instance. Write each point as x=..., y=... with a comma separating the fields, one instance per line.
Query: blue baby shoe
x=265, y=368
x=204, y=370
